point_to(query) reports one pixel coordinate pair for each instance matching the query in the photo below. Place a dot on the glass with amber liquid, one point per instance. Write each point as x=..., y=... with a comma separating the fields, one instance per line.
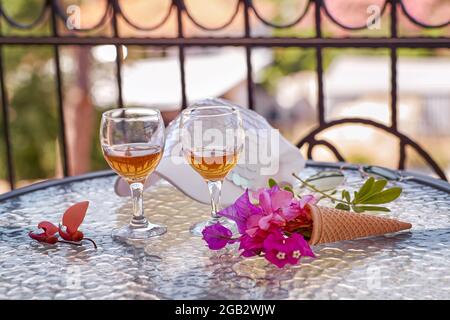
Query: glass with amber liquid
x=134, y=161
x=212, y=138
x=212, y=165
x=132, y=141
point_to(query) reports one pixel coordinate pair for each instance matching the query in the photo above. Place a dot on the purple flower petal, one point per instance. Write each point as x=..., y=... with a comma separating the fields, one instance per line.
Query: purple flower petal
x=217, y=236
x=251, y=246
x=261, y=226
x=281, y=199
x=307, y=199
x=277, y=250
x=274, y=258
x=280, y=250
x=292, y=211
x=302, y=245
x=240, y=211
x=265, y=202
x=271, y=220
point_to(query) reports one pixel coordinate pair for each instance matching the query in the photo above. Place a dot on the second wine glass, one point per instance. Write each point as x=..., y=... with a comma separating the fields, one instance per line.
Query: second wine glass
x=212, y=138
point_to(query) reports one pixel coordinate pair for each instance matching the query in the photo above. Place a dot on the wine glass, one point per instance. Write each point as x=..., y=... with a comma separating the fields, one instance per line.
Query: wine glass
x=132, y=141
x=212, y=138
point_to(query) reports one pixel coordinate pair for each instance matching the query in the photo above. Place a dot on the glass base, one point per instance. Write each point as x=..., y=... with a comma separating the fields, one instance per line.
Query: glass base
x=196, y=229
x=129, y=233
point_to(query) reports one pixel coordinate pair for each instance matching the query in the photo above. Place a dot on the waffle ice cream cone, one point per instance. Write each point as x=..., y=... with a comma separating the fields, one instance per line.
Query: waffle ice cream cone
x=331, y=225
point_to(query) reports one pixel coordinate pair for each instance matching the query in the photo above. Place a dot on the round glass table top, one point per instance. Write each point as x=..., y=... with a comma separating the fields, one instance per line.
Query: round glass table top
x=407, y=265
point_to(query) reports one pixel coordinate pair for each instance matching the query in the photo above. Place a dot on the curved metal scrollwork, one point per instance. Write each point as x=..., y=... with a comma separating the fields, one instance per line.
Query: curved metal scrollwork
x=55, y=4
x=106, y=16
x=24, y=26
x=312, y=141
x=156, y=26
x=344, y=26
x=206, y=28
x=279, y=26
x=419, y=23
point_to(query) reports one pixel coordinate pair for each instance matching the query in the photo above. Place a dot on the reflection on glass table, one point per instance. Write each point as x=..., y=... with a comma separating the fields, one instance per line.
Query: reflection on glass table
x=179, y=265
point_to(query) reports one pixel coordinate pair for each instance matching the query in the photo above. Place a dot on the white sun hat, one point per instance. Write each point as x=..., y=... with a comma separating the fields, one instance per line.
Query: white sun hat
x=278, y=160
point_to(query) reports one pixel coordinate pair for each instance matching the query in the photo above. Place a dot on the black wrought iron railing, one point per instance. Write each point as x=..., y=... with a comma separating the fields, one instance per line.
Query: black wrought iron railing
x=53, y=10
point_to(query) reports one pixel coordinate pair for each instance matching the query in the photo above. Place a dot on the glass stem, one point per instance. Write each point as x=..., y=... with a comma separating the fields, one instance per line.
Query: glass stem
x=215, y=188
x=138, y=220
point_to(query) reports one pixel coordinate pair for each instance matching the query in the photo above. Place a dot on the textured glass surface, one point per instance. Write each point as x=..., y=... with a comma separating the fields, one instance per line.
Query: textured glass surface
x=408, y=265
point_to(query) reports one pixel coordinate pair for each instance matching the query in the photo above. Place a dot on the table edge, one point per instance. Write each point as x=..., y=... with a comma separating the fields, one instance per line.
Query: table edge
x=416, y=177
x=54, y=182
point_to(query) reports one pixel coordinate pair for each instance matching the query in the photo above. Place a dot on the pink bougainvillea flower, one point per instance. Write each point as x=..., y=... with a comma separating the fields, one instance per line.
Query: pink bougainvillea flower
x=71, y=221
x=240, y=211
x=265, y=224
x=217, y=236
x=253, y=224
x=307, y=199
x=253, y=239
x=48, y=236
x=297, y=208
x=271, y=220
x=273, y=203
x=273, y=199
x=280, y=250
x=302, y=245
x=301, y=215
x=267, y=215
x=252, y=245
x=256, y=226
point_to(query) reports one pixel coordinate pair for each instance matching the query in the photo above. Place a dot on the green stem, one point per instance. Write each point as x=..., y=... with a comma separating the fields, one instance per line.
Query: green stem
x=310, y=186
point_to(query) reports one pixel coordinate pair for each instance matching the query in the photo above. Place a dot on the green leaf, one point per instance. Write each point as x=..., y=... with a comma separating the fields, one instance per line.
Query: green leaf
x=365, y=189
x=288, y=188
x=374, y=208
x=272, y=183
x=379, y=185
x=357, y=209
x=346, y=195
x=385, y=196
x=342, y=206
x=376, y=187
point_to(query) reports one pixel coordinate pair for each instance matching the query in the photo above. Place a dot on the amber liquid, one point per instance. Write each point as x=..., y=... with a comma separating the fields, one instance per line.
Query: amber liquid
x=212, y=165
x=134, y=162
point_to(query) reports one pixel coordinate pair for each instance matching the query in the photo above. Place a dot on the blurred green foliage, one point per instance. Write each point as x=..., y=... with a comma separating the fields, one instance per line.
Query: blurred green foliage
x=31, y=91
x=31, y=95
x=97, y=160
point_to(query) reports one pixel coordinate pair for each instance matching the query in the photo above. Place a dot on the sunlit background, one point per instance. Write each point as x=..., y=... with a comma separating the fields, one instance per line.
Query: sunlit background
x=356, y=81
